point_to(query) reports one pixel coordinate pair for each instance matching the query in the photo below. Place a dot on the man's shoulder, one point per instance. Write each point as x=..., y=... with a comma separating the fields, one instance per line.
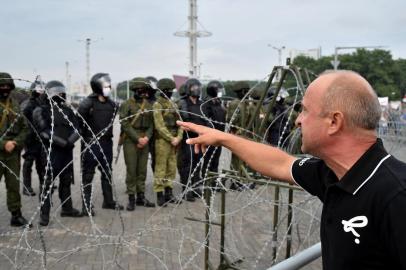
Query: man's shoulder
x=393, y=176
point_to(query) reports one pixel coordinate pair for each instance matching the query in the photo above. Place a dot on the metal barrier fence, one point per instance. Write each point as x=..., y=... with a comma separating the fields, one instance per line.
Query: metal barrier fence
x=392, y=130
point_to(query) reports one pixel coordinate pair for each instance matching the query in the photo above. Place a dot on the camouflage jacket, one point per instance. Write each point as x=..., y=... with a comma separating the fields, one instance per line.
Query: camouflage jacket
x=136, y=119
x=165, y=116
x=241, y=117
x=12, y=125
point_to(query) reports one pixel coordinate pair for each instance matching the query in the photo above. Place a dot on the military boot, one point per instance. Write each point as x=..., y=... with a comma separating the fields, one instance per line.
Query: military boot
x=86, y=211
x=142, y=201
x=71, y=212
x=17, y=219
x=44, y=215
x=161, y=199
x=28, y=191
x=188, y=196
x=131, y=202
x=169, y=198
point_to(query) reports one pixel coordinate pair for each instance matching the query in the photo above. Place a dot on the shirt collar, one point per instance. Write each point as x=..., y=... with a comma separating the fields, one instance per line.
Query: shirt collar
x=363, y=170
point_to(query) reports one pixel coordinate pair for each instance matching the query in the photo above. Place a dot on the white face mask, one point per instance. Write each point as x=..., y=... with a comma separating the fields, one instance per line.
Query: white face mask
x=106, y=91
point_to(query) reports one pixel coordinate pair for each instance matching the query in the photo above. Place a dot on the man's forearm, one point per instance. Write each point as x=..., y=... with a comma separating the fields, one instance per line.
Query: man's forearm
x=265, y=159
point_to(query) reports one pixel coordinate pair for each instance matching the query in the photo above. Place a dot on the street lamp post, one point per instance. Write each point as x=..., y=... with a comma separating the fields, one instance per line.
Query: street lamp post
x=279, y=59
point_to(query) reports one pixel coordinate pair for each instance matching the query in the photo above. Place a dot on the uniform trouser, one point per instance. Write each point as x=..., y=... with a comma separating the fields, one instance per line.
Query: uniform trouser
x=60, y=158
x=32, y=154
x=136, y=160
x=189, y=165
x=98, y=155
x=165, y=165
x=151, y=144
x=211, y=159
x=10, y=168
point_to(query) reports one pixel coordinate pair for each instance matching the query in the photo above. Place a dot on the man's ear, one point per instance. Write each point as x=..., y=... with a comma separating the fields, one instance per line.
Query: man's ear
x=336, y=122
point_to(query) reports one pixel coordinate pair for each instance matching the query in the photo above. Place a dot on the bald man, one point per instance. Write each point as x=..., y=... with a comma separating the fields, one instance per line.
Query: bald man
x=362, y=187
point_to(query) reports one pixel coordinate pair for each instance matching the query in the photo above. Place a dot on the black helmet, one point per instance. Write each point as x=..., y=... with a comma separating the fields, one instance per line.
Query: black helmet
x=101, y=84
x=215, y=89
x=281, y=95
x=56, y=91
x=193, y=87
x=6, y=80
x=38, y=86
x=55, y=88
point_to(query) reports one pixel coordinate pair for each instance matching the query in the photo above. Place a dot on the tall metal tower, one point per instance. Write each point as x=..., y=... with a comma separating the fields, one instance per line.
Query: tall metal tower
x=192, y=33
x=88, y=41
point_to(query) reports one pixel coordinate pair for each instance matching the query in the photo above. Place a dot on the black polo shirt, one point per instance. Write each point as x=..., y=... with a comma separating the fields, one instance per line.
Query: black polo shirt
x=363, y=223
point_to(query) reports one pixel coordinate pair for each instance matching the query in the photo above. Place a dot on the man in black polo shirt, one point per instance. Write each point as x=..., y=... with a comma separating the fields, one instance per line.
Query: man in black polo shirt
x=363, y=188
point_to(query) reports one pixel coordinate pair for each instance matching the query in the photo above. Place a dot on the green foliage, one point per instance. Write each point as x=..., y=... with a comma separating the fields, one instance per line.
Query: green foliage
x=386, y=75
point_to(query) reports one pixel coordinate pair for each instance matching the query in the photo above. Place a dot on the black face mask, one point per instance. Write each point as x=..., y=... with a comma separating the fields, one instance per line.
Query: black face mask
x=59, y=99
x=240, y=94
x=166, y=94
x=4, y=93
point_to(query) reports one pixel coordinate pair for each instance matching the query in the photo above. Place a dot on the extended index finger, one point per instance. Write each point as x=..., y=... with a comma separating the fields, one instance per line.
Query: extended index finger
x=187, y=126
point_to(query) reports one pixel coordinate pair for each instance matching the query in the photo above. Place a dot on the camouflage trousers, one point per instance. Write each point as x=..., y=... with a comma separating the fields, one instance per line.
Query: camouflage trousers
x=136, y=160
x=10, y=169
x=165, y=165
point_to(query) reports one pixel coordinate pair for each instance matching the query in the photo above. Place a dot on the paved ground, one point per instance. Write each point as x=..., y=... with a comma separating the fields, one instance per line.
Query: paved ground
x=161, y=238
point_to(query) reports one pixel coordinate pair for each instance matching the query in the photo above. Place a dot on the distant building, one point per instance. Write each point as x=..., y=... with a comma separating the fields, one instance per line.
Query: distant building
x=312, y=53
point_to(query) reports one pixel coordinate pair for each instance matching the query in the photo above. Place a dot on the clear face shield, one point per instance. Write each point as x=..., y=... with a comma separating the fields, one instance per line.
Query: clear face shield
x=283, y=94
x=221, y=92
x=195, y=90
x=105, y=83
x=39, y=88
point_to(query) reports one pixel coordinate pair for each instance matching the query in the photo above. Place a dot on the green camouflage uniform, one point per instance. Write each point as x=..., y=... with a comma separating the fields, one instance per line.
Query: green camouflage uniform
x=241, y=119
x=165, y=117
x=136, y=159
x=12, y=128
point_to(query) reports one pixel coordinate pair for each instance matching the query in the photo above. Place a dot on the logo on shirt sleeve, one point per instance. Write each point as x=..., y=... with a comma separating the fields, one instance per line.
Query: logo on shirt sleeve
x=303, y=161
x=355, y=222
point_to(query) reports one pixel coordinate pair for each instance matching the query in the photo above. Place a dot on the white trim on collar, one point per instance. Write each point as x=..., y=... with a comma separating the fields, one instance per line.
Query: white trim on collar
x=372, y=174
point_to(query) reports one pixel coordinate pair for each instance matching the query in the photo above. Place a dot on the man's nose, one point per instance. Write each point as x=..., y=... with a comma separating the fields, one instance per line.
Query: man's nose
x=298, y=121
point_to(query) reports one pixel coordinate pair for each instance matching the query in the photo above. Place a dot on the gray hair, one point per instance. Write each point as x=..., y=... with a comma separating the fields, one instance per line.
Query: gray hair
x=351, y=94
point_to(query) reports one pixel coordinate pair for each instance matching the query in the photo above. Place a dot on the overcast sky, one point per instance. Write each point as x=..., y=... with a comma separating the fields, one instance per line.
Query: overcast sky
x=135, y=37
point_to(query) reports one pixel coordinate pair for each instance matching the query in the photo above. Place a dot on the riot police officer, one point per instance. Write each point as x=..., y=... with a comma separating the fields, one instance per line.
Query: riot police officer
x=190, y=106
x=137, y=127
x=59, y=136
x=280, y=128
x=33, y=146
x=13, y=131
x=97, y=113
x=215, y=111
x=168, y=136
x=152, y=98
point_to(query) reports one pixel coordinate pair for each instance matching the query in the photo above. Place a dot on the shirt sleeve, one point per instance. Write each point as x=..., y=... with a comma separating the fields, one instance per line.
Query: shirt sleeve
x=307, y=173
